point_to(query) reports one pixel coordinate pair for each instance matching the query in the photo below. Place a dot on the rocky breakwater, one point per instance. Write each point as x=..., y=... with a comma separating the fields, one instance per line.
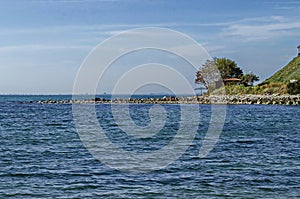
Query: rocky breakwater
x=255, y=99
x=213, y=99
x=264, y=99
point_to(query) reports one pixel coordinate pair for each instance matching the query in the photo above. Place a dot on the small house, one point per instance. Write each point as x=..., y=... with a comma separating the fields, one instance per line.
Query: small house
x=227, y=81
x=293, y=81
x=298, y=50
x=232, y=81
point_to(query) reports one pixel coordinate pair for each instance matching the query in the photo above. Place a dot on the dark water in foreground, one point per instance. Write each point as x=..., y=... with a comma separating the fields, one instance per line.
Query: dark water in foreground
x=257, y=155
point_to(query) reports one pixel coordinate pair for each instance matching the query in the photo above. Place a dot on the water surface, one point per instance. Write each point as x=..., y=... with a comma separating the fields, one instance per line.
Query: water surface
x=41, y=155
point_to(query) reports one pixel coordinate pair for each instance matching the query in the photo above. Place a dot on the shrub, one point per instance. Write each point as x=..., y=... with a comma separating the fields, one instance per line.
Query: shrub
x=293, y=88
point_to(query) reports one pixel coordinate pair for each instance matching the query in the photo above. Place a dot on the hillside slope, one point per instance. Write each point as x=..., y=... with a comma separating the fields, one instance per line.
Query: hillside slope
x=289, y=72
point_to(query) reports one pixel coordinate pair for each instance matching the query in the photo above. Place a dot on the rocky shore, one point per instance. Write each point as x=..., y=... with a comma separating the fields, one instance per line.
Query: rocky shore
x=215, y=99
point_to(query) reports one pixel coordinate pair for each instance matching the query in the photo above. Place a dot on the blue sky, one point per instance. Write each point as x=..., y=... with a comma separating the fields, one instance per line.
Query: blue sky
x=43, y=43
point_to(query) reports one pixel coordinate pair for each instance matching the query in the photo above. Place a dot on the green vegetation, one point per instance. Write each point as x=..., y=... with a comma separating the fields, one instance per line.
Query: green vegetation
x=215, y=71
x=274, y=88
x=228, y=68
x=288, y=76
x=293, y=87
x=222, y=69
x=290, y=72
x=248, y=79
x=285, y=81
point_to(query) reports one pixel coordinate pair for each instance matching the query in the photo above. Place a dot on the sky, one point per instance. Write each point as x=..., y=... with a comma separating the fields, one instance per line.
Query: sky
x=43, y=43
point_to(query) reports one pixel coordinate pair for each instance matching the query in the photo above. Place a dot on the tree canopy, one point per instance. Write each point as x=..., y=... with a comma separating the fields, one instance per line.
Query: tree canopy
x=228, y=68
x=249, y=78
x=218, y=69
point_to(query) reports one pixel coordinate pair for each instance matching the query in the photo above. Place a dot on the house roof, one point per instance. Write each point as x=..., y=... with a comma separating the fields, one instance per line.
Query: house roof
x=233, y=79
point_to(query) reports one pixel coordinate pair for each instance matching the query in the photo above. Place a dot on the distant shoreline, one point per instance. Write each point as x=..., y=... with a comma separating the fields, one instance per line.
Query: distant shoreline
x=213, y=99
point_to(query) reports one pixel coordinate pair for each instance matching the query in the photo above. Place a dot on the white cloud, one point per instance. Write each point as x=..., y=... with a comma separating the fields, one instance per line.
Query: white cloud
x=102, y=28
x=38, y=47
x=255, y=29
x=284, y=5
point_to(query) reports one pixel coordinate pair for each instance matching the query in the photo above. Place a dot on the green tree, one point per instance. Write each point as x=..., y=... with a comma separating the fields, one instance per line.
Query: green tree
x=208, y=75
x=249, y=79
x=214, y=71
x=293, y=88
x=228, y=68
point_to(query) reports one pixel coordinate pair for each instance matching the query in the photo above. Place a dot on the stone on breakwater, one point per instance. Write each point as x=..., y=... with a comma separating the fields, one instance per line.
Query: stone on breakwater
x=213, y=99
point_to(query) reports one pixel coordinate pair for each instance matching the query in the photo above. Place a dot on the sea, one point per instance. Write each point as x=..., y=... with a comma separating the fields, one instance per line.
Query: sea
x=42, y=155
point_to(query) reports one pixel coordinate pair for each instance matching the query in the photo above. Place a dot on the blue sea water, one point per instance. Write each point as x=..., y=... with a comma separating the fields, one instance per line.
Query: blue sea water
x=42, y=156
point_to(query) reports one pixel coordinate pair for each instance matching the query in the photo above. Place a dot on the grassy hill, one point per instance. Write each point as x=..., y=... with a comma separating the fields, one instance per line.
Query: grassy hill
x=279, y=83
x=289, y=72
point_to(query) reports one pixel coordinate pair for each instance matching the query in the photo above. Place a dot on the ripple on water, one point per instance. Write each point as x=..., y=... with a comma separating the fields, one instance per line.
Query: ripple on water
x=257, y=156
